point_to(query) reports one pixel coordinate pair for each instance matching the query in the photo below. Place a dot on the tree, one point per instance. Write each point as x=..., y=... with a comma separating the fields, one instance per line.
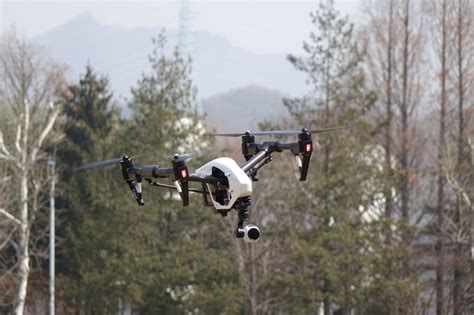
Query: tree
x=165, y=121
x=30, y=83
x=463, y=62
x=90, y=119
x=159, y=258
x=381, y=69
x=339, y=251
x=439, y=16
x=408, y=95
x=395, y=48
x=8, y=229
x=164, y=105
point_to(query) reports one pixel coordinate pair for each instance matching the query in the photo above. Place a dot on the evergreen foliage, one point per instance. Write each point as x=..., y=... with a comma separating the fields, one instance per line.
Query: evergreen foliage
x=158, y=258
x=90, y=118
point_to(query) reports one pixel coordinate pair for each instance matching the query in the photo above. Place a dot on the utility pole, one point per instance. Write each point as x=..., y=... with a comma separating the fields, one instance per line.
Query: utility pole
x=470, y=192
x=184, y=40
x=52, y=235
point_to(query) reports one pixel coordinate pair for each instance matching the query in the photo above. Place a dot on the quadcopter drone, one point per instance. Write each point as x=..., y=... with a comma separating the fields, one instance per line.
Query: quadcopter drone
x=224, y=184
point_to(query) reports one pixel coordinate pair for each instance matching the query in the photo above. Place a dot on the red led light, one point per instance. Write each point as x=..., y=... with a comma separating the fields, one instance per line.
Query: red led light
x=308, y=147
x=184, y=173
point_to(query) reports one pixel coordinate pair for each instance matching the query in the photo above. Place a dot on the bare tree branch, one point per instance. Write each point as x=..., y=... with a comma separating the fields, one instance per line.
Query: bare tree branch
x=453, y=182
x=9, y=216
x=52, y=115
x=4, y=153
x=8, y=239
x=18, y=133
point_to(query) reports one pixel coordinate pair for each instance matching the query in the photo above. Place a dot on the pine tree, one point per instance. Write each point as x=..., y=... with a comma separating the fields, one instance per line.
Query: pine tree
x=164, y=105
x=90, y=118
x=165, y=121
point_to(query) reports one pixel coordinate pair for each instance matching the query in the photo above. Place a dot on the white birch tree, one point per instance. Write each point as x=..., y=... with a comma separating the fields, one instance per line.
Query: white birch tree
x=29, y=82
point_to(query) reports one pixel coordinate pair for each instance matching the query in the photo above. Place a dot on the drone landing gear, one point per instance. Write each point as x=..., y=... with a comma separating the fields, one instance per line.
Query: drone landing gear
x=134, y=183
x=250, y=232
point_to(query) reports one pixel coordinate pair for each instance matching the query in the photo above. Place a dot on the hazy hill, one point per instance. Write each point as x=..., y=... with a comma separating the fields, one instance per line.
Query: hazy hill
x=122, y=54
x=243, y=108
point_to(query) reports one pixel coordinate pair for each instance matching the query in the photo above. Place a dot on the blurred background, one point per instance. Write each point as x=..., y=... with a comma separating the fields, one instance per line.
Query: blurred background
x=237, y=48
x=384, y=224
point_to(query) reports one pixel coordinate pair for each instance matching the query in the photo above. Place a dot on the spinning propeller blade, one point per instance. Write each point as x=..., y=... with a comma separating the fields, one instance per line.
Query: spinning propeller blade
x=175, y=157
x=97, y=164
x=323, y=130
x=100, y=164
x=186, y=156
x=287, y=132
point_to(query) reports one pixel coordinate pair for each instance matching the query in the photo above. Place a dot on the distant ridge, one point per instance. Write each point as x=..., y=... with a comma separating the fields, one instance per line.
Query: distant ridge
x=121, y=54
x=250, y=104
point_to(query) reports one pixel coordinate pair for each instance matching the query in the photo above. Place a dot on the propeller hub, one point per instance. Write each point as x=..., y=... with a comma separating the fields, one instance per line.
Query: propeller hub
x=304, y=135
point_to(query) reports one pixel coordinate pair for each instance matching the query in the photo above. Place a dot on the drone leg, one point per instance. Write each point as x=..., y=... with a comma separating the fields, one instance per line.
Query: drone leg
x=136, y=188
x=243, y=208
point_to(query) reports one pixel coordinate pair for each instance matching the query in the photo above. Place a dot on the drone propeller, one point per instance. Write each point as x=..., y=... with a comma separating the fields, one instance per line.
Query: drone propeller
x=287, y=132
x=126, y=163
x=98, y=164
x=133, y=176
x=175, y=157
x=186, y=156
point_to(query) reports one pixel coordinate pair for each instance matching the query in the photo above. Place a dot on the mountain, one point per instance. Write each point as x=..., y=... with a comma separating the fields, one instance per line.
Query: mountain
x=243, y=108
x=121, y=54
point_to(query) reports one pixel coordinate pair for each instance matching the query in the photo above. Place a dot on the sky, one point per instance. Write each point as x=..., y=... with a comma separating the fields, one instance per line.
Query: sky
x=259, y=26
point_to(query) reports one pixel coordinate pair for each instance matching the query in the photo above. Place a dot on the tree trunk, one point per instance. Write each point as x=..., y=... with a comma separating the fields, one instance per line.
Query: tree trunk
x=458, y=255
x=388, y=135
x=253, y=280
x=471, y=217
x=23, y=244
x=327, y=153
x=404, y=130
x=441, y=182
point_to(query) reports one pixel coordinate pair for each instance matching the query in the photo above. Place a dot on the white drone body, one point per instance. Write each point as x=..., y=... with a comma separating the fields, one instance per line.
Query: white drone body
x=240, y=185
